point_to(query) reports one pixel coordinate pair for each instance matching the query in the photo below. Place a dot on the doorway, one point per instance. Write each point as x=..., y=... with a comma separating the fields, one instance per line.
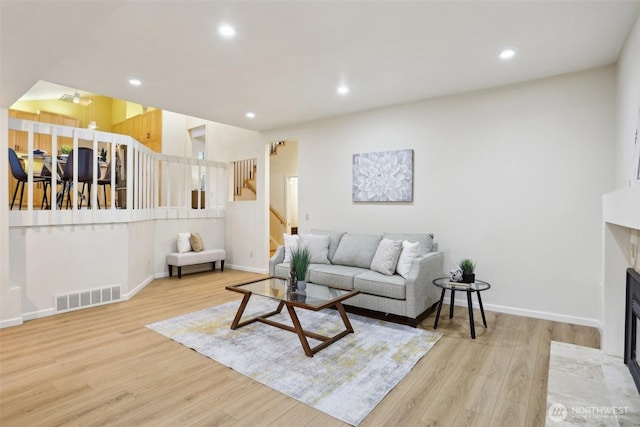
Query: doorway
x=283, y=190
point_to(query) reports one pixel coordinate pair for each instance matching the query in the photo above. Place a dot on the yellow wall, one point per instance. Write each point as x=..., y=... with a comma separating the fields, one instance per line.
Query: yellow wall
x=100, y=110
x=118, y=111
x=123, y=110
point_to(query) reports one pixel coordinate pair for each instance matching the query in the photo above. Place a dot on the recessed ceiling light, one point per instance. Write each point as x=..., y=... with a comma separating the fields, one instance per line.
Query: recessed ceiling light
x=226, y=31
x=250, y=115
x=507, y=53
x=134, y=81
x=343, y=89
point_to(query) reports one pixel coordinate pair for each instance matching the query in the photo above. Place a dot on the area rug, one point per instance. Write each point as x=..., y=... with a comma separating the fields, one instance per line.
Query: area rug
x=345, y=380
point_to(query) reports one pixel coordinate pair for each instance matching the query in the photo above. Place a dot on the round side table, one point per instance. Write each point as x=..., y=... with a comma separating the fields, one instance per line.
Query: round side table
x=446, y=284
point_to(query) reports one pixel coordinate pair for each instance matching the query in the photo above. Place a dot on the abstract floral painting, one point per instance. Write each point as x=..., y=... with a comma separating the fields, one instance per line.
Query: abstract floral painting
x=385, y=176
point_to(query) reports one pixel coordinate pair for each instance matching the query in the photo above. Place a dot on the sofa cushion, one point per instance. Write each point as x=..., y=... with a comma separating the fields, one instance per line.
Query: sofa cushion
x=386, y=257
x=318, y=247
x=336, y=276
x=425, y=240
x=374, y=283
x=410, y=250
x=334, y=240
x=357, y=250
x=282, y=270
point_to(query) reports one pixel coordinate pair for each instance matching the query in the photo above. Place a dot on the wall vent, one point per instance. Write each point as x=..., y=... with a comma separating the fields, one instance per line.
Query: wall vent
x=84, y=299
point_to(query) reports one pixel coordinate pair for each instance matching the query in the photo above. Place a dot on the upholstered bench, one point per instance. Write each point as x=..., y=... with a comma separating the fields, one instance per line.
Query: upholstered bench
x=179, y=260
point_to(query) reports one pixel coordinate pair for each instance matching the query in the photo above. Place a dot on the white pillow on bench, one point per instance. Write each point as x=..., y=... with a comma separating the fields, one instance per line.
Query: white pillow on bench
x=184, y=242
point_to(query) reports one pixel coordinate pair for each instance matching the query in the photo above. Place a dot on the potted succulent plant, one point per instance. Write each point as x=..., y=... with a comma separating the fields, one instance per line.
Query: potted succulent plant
x=468, y=268
x=300, y=262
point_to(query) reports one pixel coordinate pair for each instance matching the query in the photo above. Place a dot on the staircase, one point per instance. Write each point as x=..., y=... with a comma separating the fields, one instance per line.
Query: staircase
x=244, y=180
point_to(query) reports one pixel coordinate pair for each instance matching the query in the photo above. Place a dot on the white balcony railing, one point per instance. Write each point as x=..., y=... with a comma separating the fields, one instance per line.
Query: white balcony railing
x=144, y=185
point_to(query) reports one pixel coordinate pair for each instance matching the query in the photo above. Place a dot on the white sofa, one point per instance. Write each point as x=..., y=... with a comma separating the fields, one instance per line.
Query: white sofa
x=399, y=298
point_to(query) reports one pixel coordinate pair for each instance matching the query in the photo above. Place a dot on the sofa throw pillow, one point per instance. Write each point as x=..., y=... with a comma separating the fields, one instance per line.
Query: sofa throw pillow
x=409, y=252
x=183, y=242
x=290, y=245
x=386, y=257
x=334, y=240
x=196, y=242
x=318, y=246
x=425, y=240
x=357, y=250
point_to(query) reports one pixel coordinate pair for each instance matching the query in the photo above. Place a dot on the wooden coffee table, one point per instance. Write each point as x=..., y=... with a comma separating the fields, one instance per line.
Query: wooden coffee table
x=315, y=298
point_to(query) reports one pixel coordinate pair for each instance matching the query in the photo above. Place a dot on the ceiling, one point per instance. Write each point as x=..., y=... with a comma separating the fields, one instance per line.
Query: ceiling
x=288, y=58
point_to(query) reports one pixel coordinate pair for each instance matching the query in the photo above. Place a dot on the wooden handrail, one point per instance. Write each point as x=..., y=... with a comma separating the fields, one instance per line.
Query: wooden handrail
x=277, y=215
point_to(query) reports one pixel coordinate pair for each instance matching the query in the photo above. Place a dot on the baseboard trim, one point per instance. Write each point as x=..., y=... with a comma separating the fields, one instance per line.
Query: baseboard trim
x=38, y=314
x=138, y=288
x=16, y=321
x=248, y=269
x=161, y=275
x=556, y=317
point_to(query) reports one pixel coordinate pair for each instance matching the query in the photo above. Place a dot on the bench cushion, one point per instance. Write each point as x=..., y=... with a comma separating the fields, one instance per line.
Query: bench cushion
x=191, y=258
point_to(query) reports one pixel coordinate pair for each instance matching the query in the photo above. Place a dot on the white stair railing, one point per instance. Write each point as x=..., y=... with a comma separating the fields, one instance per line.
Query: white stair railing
x=143, y=184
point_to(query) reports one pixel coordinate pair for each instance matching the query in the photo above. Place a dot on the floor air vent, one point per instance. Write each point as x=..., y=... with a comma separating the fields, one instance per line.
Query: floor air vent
x=83, y=299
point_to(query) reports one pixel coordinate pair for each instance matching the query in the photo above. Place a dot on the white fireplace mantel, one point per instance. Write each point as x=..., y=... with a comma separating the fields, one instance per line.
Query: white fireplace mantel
x=622, y=207
x=621, y=216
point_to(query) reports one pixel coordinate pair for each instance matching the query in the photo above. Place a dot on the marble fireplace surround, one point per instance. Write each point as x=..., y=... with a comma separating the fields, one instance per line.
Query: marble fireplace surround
x=621, y=220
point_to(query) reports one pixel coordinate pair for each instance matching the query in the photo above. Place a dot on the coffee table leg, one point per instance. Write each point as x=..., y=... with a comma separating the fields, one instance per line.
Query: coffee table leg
x=484, y=320
x=343, y=314
x=471, y=323
x=298, y=327
x=451, y=303
x=243, y=305
x=435, y=325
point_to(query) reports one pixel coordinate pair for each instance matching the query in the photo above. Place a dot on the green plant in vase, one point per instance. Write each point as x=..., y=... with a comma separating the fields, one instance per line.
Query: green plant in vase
x=65, y=149
x=300, y=258
x=468, y=268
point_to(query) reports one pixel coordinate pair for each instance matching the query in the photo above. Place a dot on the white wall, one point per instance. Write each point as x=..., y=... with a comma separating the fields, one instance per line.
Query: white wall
x=246, y=222
x=511, y=177
x=46, y=261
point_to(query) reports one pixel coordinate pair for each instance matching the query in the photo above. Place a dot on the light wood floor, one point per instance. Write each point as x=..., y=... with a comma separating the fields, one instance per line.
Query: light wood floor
x=101, y=366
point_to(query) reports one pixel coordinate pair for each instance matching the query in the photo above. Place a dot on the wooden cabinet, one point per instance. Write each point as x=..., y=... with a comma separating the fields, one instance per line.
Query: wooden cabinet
x=131, y=127
x=118, y=128
x=145, y=127
x=150, y=125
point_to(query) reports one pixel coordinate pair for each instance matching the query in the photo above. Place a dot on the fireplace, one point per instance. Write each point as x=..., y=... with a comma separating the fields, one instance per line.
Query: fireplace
x=632, y=325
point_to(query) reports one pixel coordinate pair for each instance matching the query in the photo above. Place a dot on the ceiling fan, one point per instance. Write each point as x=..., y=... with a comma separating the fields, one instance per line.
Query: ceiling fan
x=76, y=99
